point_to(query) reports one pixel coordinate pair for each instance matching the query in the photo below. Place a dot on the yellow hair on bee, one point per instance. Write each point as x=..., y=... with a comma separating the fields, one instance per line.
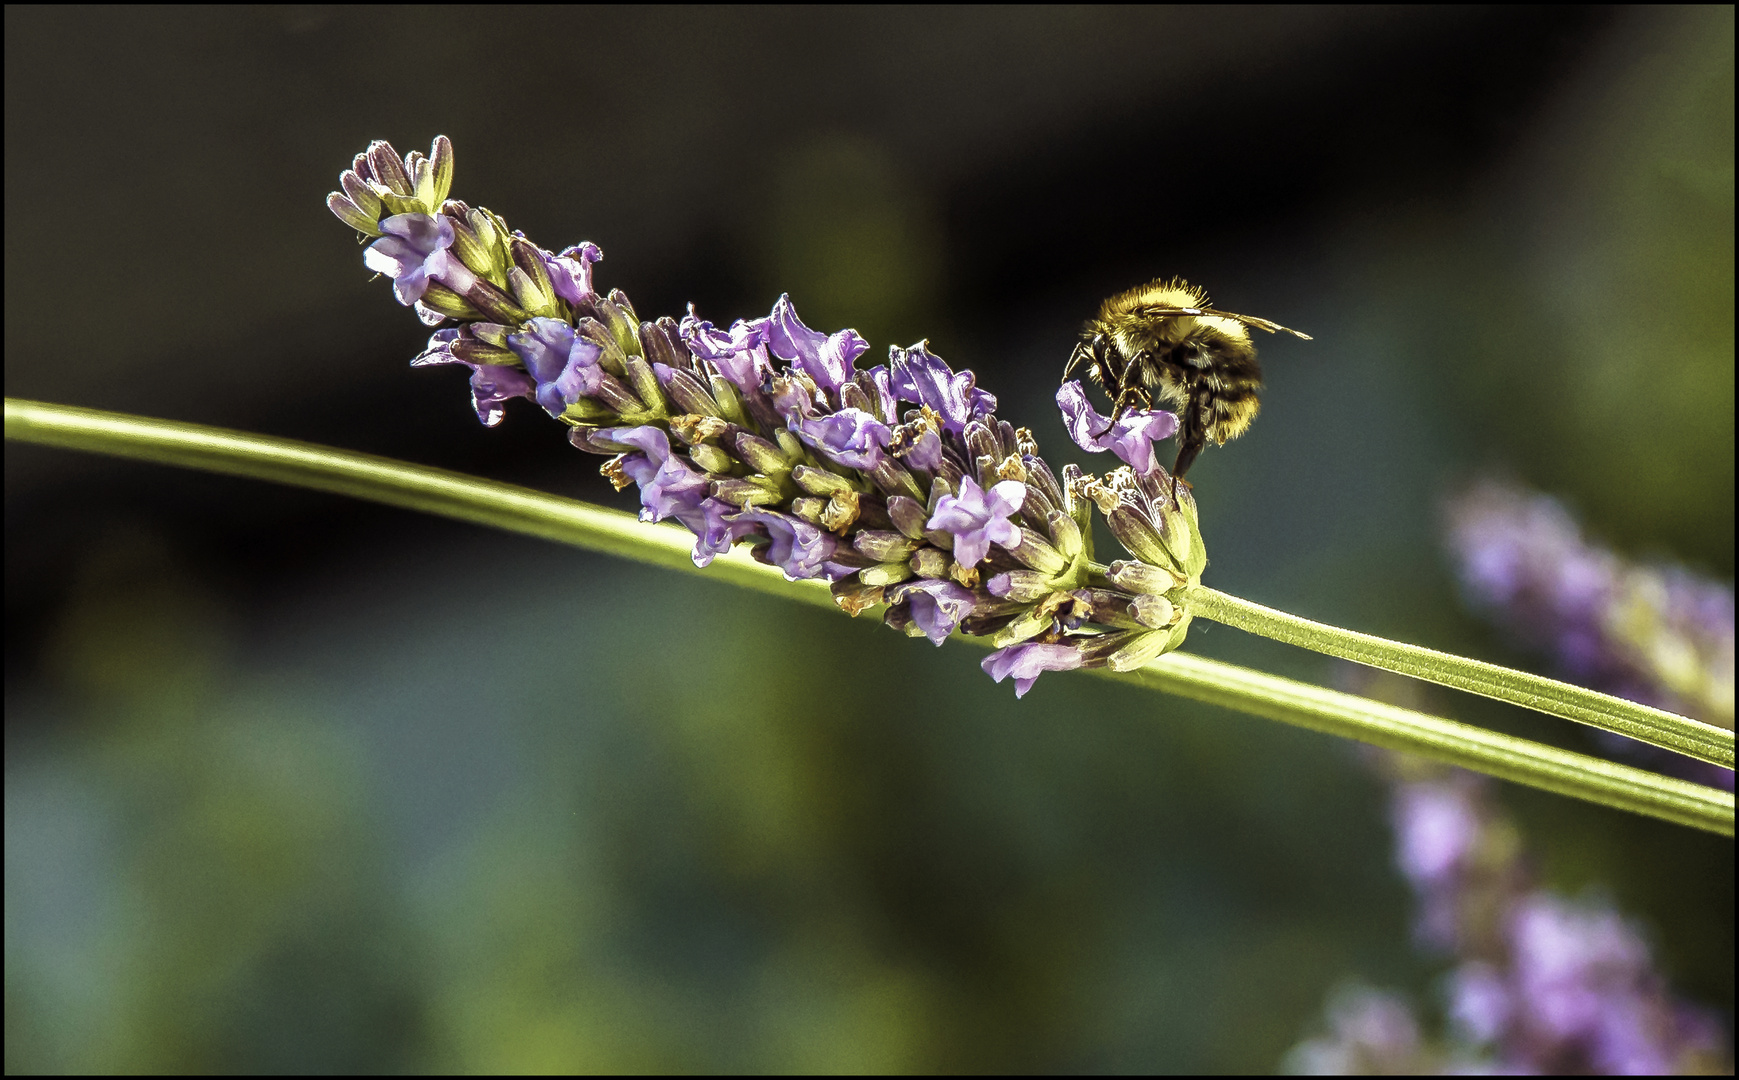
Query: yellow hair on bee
x=1164, y=341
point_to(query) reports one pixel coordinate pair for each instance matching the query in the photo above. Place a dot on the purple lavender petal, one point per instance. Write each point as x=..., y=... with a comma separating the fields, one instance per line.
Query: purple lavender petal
x=1130, y=438
x=740, y=354
x=571, y=271
x=493, y=384
x=413, y=253
x=925, y=452
x=978, y=518
x=921, y=377
x=799, y=549
x=937, y=607
x=827, y=360
x=1436, y=829
x=1026, y=662
x=1479, y=1002
x=564, y=365
x=851, y=437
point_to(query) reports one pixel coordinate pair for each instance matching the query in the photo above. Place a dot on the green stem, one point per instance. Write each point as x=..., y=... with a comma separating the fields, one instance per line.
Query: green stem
x=523, y=510
x=1658, y=727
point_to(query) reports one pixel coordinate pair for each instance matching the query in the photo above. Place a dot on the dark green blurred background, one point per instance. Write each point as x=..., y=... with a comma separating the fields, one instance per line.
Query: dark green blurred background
x=298, y=784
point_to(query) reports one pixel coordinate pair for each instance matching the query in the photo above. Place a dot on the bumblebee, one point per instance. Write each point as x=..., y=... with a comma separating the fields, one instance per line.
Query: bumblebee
x=1163, y=340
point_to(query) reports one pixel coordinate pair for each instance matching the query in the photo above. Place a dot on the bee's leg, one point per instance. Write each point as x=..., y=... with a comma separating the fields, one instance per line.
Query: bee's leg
x=1192, y=435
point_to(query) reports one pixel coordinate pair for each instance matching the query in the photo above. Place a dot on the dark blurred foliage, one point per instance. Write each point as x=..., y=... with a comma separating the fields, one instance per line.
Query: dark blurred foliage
x=300, y=784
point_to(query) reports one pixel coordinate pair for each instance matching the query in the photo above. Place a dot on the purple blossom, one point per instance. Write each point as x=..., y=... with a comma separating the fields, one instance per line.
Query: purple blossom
x=977, y=518
x=571, y=271
x=1131, y=438
x=1027, y=661
x=414, y=252
x=491, y=384
x=670, y=487
x=563, y=364
x=1436, y=830
x=740, y=354
x=851, y=437
x=919, y=376
x=925, y=452
x=1479, y=1002
x=799, y=549
x=826, y=359
x=937, y=606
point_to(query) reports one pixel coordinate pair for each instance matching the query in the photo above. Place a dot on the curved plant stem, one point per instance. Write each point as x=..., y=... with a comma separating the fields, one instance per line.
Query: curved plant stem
x=523, y=510
x=1656, y=726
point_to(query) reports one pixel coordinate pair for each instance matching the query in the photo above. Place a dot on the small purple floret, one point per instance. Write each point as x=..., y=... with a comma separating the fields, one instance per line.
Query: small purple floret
x=937, y=606
x=1027, y=661
x=827, y=360
x=977, y=518
x=799, y=549
x=413, y=253
x=491, y=384
x=1131, y=438
x=571, y=271
x=851, y=437
x=740, y=354
x=921, y=377
x=564, y=365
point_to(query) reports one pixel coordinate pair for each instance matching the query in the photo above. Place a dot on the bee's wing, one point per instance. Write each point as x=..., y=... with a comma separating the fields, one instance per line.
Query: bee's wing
x=1251, y=320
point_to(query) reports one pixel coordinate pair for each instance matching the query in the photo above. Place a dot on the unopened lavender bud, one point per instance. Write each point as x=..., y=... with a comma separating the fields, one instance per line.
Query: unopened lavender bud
x=619, y=397
x=645, y=383
x=1106, y=607
x=356, y=189
x=893, y=479
x=930, y=562
x=1079, y=508
x=472, y=252
x=441, y=162
x=1065, y=534
x=1145, y=648
x=1023, y=586
x=980, y=442
x=1035, y=551
x=587, y=411
x=711, y=458
x=439, y=298
x=730, y=402
x=618, y=318
x=1141, y=578
x=789, y=444
x=1152, y=610
x=530, y=297
x=853, y=396
x=389, y=169
x=744, y=493
x=690, y=394
x=907, y=515
x=762, y=456
x=1138, y=536
x=885, y=574
x=1028, y=624
x=817, y=481
x=884, y=546
x=347, y=211
x=495, y=304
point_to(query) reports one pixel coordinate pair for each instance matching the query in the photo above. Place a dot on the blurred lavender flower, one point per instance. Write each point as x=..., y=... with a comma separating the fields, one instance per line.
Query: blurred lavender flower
x=1541, y=984
x=1652, y=633
x=897, y=484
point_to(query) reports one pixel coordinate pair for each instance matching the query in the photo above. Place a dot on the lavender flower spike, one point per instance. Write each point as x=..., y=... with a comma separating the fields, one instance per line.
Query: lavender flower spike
x=977, y=518
x=1130, y=438
x=767, y=434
